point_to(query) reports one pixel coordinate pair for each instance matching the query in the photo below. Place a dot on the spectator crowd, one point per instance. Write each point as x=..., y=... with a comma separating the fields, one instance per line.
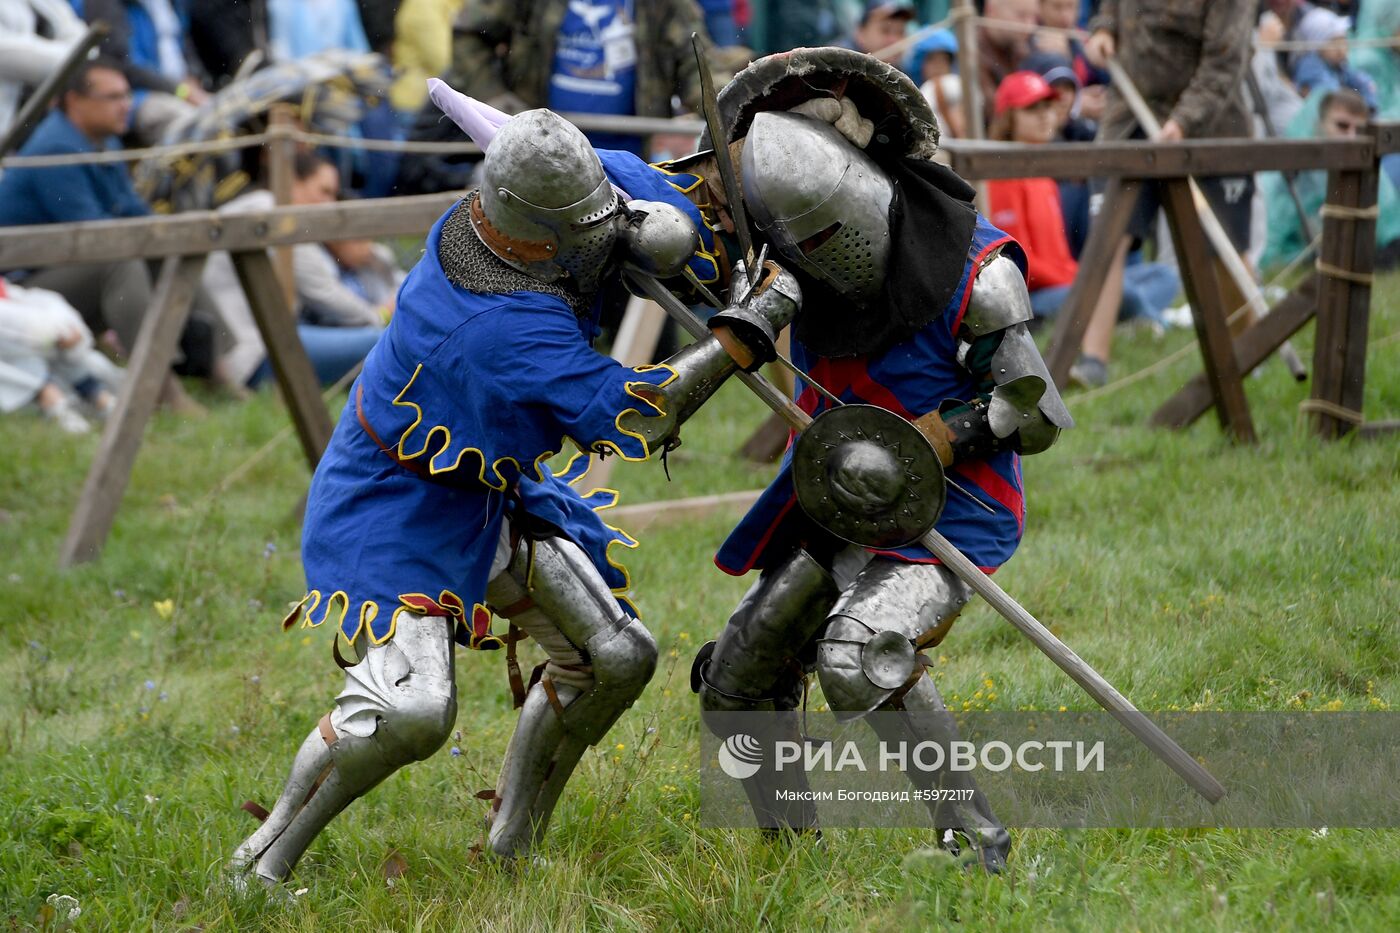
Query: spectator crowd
x=166, y=68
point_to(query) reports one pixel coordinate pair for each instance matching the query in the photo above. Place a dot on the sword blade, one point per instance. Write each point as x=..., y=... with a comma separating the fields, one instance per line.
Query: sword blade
x=719, y=141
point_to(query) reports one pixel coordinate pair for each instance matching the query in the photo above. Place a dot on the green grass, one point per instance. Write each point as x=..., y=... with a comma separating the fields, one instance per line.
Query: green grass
x=1192, y=573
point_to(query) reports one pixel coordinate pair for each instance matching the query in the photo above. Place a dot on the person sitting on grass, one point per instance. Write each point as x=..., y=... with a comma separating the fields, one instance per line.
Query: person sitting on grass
x=1326, y=69
x=337, y=325
x=932, y=63
x=1340, y=114
x=93, y=110
x=46, y=351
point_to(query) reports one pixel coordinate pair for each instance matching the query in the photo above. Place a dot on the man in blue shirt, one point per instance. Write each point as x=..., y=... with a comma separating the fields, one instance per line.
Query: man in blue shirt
x=595, y=66
x=93, y=110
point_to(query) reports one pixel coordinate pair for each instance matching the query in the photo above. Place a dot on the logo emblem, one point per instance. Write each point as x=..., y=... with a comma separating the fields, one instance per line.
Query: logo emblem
x=740, y=756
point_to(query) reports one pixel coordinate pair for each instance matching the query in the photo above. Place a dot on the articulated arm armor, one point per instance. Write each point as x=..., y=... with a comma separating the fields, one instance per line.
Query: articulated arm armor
x=1017, y=407
x=703, y=366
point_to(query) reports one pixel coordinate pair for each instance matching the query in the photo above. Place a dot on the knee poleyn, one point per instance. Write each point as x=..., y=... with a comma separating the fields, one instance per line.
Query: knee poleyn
x=624, y=659
x=420, y=723
x=714, y=699
x=860, y=670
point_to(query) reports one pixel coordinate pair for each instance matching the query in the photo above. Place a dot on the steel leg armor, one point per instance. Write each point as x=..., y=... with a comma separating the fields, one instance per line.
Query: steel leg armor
x=925, y=718
x=869, y=659
x=398, y=706
x=756, y=664
x=869, y=651
x=599, y=661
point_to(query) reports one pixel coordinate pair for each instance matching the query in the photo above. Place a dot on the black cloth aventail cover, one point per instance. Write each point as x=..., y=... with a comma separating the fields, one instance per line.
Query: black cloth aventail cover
x=926, y=265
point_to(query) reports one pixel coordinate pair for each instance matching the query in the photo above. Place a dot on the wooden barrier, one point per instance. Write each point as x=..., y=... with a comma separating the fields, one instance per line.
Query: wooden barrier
x=185, y=242
x=1339, y=296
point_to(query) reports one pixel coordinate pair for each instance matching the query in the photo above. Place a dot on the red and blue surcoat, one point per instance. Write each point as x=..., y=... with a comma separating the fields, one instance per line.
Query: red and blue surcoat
x=910, y=378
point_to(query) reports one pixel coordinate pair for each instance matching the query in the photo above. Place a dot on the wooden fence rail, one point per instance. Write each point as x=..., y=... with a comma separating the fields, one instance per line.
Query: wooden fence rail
x=1338, y=295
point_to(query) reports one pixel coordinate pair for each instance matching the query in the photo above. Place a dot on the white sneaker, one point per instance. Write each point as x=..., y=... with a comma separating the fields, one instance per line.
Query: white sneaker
x=1180, y=316
x=67, y=418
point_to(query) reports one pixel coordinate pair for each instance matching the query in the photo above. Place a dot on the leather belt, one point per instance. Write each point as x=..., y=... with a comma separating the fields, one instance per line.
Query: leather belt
x=417, y=467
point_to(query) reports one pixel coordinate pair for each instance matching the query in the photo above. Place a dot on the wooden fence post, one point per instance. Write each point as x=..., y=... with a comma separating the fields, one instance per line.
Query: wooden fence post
x=281, y=174
x=1251, y=348
x=1208, y=310
x=147, y=370
x=974, y=108
x=1346, y=264
x=1110, y=225
x=300, y=388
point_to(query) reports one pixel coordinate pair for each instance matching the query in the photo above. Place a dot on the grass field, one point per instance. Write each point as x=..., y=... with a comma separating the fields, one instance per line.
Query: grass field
x=152, y=692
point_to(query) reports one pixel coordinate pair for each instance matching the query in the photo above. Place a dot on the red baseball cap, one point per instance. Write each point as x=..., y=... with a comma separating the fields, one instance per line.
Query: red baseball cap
x=1022, y=89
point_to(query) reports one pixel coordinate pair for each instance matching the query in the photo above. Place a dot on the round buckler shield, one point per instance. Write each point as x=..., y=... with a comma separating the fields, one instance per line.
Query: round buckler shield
x=868, y=476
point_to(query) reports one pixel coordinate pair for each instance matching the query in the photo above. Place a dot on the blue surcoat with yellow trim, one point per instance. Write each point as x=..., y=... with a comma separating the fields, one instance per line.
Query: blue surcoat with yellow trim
x=477, y=391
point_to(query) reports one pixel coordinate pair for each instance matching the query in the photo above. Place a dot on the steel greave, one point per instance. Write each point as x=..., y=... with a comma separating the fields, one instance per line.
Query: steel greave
x=925, y=718
x=541, y=757
x=398, y=706
x=579, y=619
x=756, y=666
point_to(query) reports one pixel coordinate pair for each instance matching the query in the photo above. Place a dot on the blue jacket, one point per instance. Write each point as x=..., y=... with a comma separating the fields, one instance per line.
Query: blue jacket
x=68, y=193
x=1311, y=72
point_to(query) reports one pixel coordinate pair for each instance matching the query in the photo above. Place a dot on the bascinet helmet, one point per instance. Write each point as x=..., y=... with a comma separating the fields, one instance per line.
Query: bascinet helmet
x=824, y=203
x=545, y=205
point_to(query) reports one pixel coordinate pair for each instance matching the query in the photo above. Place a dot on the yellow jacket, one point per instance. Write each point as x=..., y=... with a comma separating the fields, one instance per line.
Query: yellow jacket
x=422, y=49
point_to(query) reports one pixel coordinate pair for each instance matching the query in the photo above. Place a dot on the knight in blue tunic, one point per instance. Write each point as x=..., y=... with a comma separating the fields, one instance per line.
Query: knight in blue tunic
x=436, y=505
x=912, y=302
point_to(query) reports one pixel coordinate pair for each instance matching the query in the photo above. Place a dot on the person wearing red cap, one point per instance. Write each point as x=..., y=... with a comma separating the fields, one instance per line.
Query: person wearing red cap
x=1029, y=209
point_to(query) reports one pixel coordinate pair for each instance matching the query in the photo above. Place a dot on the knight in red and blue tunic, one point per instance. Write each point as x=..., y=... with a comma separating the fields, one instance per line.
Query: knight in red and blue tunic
x=913, y=303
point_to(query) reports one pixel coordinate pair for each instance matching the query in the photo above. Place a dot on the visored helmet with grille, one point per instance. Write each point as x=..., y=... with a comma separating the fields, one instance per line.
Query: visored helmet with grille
x=545, y=205
x=824, y=203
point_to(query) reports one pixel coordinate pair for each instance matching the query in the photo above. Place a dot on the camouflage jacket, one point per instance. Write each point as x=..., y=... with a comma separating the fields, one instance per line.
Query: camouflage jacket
x=506, y=47
x=1187, y=58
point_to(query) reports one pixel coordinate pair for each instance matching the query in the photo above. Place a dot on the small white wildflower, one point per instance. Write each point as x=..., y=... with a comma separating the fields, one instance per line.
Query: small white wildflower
x=152, y=800
x=1320, y=833
x=65, y=905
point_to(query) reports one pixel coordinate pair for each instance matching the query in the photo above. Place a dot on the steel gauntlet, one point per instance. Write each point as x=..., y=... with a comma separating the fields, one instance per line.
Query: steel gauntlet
x=748, y=328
